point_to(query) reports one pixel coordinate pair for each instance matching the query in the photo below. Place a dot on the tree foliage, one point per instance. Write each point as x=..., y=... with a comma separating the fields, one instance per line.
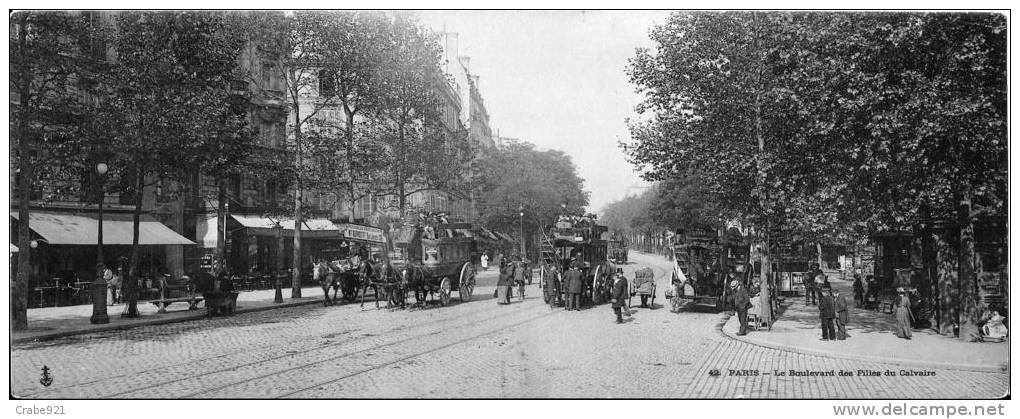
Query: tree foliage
x=517, y=175
x=166, y=102
x=864, y=121
x=51, y=68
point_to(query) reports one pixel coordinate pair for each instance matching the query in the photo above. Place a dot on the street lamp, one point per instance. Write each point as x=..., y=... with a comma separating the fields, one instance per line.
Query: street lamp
x=521, y=210
x=99, y=315
x=277, y=279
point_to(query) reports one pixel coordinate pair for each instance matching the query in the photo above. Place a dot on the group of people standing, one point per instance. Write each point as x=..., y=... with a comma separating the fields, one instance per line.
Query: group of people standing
x=832, y=309
x=511, y=273
x=570, y=285
x=567, y=286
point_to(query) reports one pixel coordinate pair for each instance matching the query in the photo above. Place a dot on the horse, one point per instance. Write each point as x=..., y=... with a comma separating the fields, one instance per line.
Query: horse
x=393, y=286
x=368, y=277
x=326, y=278
x=413, y=278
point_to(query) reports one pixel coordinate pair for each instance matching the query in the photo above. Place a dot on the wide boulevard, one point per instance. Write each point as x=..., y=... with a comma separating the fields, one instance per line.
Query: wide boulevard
x=476, y=349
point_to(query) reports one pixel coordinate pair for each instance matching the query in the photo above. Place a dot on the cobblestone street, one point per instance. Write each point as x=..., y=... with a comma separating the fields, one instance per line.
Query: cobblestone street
x=471, y=350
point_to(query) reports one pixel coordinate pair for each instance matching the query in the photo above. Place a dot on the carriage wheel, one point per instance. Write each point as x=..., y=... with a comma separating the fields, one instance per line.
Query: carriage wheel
x=444, y=291
x=467, y=282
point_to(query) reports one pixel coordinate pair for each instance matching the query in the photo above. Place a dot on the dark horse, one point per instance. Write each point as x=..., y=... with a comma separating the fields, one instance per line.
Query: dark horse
x=414, y=279
x=393, y=286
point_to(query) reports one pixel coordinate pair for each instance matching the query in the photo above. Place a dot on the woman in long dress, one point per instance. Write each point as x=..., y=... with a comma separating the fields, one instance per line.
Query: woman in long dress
x=903, y=315
x=506, y=276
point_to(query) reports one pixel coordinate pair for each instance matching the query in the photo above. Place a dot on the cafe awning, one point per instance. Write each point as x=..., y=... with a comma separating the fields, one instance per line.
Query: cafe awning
x=68, y=228
x=315, y=228
x=486, y=233
x=259, y=222
x=505, y=237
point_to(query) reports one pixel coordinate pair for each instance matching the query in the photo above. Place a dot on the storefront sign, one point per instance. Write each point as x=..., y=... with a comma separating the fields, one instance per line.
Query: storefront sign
x=360, y=232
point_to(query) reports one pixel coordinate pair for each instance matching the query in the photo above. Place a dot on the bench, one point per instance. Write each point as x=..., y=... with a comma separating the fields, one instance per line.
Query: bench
x=176, y=291
x=220, y=302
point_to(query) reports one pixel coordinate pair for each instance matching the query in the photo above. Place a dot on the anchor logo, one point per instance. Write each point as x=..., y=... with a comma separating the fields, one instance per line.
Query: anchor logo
x=46, y=379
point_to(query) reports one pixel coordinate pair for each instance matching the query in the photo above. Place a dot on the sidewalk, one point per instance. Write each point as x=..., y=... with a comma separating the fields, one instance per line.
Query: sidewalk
x=55, y=322
x=871, y=338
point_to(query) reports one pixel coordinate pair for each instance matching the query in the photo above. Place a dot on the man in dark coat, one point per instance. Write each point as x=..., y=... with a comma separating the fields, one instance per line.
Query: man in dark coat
x=809, y=287
x=842, y=315
x=552, y=284
x=827, y=312
x=619, y=296
x=575, y=286
x=740, y=302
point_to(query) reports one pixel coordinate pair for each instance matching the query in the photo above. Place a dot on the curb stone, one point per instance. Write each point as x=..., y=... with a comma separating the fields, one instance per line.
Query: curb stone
x=153, y=322
x=896, y=361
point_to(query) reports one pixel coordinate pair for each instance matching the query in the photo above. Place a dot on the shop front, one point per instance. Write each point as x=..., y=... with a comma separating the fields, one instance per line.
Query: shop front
x=260, y=247
x=63, y=260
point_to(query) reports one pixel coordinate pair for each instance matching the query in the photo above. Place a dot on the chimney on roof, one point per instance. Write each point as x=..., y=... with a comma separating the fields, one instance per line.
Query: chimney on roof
x=450, y=49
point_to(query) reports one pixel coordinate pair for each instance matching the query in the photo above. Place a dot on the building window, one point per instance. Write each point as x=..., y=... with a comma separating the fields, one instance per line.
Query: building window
x=235, y=187
x=327, y=84
x=271, y=195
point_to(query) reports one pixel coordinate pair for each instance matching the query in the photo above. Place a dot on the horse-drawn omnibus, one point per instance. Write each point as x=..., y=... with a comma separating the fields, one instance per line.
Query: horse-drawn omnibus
x=581, y=240
x=617, y=251
x=702, y=262
x=434, y=256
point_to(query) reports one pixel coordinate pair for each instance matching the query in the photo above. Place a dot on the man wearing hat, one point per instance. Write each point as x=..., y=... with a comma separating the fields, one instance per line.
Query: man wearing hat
x=827, y=312
x=619, y=296
x=740, y=302
x=574, y=286
x=552, y=283
x=842, y=315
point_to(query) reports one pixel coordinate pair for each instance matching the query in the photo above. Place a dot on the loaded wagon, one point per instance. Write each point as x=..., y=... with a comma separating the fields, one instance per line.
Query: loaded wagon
x=434, y=257
x=643, y=286
x=581, y=240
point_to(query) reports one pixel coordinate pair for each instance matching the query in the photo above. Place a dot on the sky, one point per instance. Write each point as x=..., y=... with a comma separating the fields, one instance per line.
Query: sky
x=557, y=79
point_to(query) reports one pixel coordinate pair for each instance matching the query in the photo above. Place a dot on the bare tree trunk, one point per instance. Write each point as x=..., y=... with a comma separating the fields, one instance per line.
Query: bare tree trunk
x=766, y=274
x=969, y=310
x=349, y=136
x=818, y=249
x=220, y=257
x=295, y=289
x=130, y=284
x=766, y=299
x=19, y=293
x=401, y=187
x=948, y=292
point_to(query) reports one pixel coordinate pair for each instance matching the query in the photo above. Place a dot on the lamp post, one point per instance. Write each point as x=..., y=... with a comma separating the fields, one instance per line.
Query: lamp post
x=521, y=210
x=277, y=279
x=99, y=315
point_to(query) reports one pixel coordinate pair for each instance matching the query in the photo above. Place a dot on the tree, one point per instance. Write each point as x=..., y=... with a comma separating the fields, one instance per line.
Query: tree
x=301, y=45
x=716, y=88
x=938, y=131
x=52, y=61
x=357, y=43
x=516, y=175
x=422, y=153
x=167, y=105
x=863, y=121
